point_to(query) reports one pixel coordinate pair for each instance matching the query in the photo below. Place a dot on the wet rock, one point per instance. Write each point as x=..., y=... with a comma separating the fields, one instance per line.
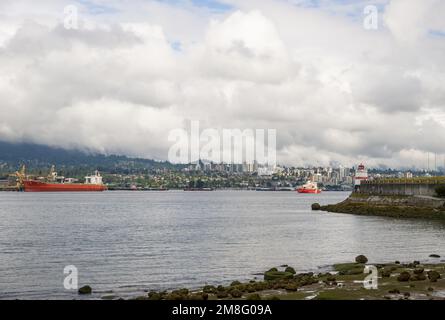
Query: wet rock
x=419, y=277
x=235, y=283
x=433, y=276
x=175, y=297
x=195, y=297
x=407, y=294
x=182, y=291
x=349, y=268
x=415, y=262
x=316, y=206
x=275, y=275
x=241, y=287
x=255, y=296
x=292, y=287
x=85, y=290
x=307, y=275
x=404, y=277
x=276, y=286
x=430, y=289
x=209, y=289
x=273, y=270
x=155, y=296
x=394, y=291
x=181, y=294
x=386, y=273
x=236, y=294
x=397, y=262
x=434, y=256
x=222, y=295
x=290, y=270
x=269, y=285
x=250, y=288
x=361, y=259
x=260, y=286
x=419, y=271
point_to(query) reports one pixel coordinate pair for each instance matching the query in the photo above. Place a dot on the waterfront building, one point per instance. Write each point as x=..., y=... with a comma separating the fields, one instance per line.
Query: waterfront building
x=408, y=175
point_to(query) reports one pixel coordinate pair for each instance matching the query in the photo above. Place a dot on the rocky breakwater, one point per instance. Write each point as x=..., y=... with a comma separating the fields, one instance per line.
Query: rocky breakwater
x=399, y=206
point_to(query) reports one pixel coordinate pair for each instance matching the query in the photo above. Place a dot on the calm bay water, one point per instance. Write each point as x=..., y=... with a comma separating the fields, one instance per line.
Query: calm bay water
x=128, y=242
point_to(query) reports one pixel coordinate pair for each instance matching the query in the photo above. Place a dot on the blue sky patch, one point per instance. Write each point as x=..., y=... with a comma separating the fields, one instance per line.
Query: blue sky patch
x=176, y=45
x=213, y=5
x=437, y=33
x=96, y=9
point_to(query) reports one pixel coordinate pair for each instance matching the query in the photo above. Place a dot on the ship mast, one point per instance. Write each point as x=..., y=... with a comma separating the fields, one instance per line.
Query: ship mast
x=21, y=176
x=52, y=173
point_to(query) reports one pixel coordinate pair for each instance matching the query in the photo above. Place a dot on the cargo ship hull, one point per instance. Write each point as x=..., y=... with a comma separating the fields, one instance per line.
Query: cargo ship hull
x=315, y=191
x=38, y=186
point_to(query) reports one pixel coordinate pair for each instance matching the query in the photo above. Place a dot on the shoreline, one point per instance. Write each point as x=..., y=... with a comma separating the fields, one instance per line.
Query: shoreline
x=395, y=281
x=389, y=206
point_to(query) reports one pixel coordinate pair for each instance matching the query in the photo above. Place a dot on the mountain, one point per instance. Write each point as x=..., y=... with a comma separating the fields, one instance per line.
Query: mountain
x=39, y=158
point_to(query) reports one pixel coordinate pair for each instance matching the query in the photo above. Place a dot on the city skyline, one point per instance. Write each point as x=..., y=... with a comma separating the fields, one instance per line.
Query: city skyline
x=116, y=78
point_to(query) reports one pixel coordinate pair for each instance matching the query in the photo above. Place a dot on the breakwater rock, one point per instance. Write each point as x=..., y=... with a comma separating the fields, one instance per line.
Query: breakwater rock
x=397, y=206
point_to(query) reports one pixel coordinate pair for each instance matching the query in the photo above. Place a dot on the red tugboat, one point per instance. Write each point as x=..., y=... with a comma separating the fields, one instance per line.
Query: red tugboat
x=309, y=187
x=54, y=183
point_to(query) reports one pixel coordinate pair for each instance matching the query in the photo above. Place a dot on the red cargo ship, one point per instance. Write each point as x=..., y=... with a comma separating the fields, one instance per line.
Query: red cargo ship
x=54, y=183
x=39, y=186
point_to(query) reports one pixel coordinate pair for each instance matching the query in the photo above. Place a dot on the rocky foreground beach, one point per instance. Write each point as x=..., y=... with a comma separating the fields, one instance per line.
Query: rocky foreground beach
x=395, y=281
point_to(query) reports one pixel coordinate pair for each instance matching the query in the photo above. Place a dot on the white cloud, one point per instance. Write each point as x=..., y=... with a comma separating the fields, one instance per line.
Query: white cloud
x=333, y=91
x=411, y=20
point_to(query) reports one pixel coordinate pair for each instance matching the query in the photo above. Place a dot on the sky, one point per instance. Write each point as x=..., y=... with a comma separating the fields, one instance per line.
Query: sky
x=133, y=70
